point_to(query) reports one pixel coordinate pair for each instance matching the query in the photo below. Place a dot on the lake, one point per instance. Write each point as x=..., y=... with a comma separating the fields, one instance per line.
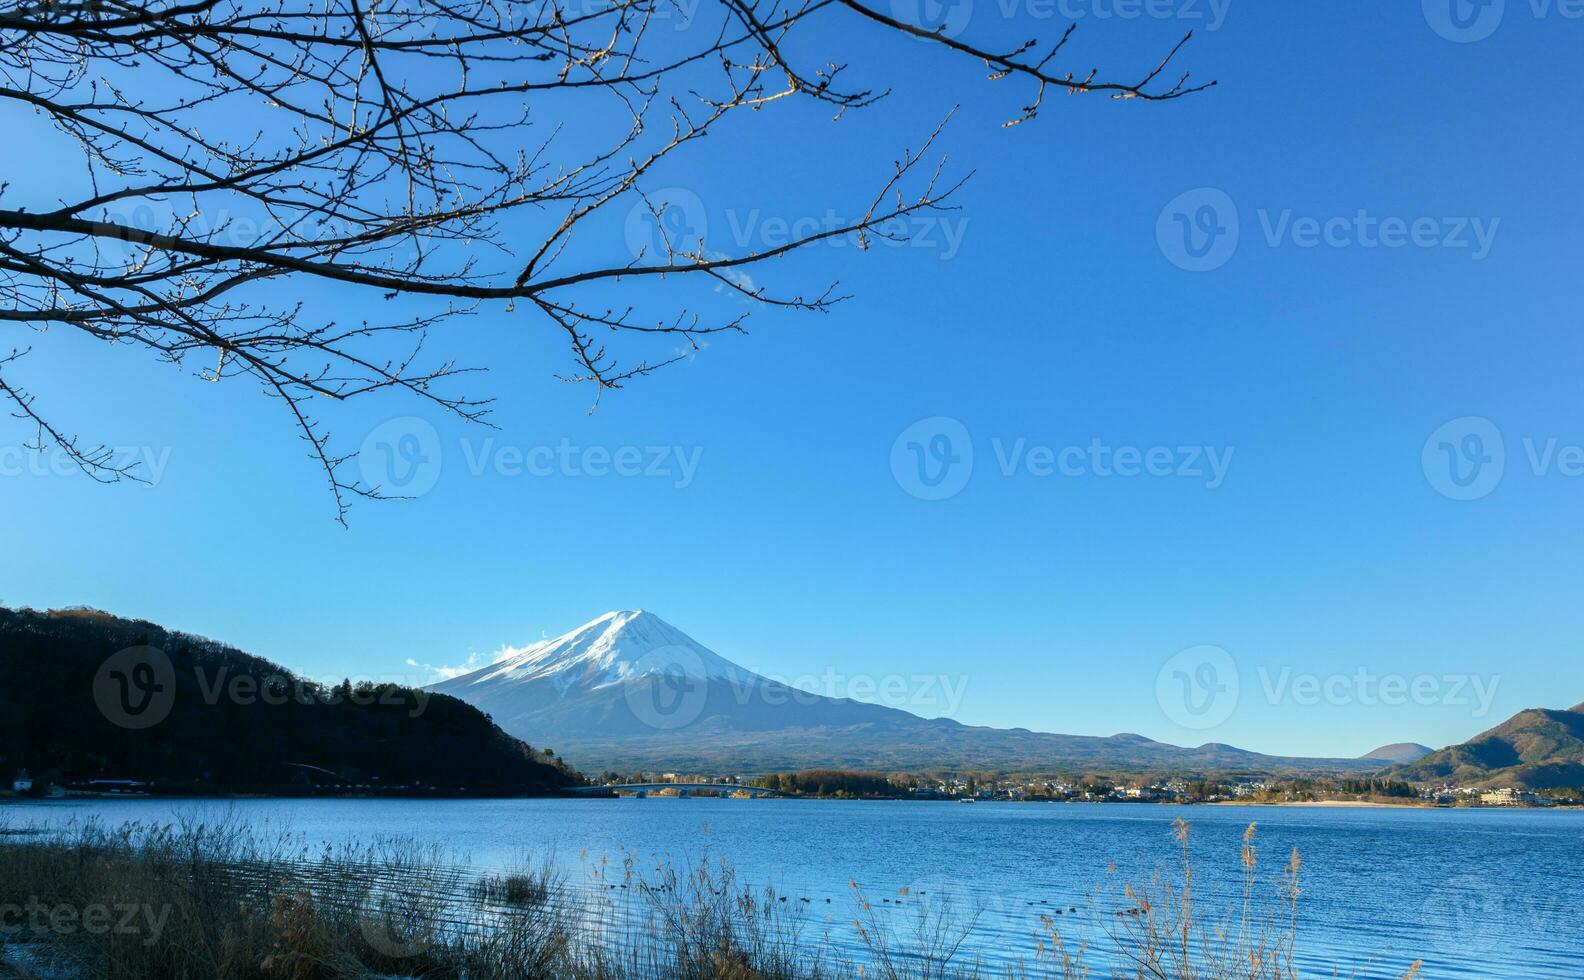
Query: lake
x=1472, y=893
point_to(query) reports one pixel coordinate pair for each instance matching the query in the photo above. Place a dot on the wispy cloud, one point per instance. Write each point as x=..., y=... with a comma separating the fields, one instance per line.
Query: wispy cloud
x=443, y=673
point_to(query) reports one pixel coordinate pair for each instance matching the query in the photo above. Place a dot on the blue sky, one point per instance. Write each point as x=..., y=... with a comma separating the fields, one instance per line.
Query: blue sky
x=1049, y=312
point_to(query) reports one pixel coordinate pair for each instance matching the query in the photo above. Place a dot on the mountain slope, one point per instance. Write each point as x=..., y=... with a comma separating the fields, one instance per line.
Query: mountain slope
x=1399, y=753
x=628, y=690
x=90, y=696
x=1538, y=748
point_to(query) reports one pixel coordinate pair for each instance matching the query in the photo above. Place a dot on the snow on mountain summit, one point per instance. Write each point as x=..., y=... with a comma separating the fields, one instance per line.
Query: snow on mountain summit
x=613, y=648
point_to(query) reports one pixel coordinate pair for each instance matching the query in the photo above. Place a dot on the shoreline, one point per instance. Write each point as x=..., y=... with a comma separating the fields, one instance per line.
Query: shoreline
x=1368, y=804
x=1316, y=804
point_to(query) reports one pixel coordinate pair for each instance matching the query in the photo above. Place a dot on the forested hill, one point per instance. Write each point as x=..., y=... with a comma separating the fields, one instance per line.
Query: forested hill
x=85, y=695
x=1538, y=748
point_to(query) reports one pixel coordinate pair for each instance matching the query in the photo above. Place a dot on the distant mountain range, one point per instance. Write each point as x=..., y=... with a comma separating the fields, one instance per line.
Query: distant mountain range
x=1538, y=748
x=630, y=691
x=625, y=691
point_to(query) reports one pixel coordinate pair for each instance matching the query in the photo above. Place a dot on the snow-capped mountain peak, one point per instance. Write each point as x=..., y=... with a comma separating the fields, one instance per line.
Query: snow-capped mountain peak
x=616, y=647
x=629, y=690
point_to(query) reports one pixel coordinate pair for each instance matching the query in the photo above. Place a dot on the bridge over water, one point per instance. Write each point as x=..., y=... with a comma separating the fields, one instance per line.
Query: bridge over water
x=644, y=789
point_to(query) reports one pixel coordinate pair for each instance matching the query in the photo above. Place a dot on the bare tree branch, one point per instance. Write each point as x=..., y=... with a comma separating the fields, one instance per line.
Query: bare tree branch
x=454, y=156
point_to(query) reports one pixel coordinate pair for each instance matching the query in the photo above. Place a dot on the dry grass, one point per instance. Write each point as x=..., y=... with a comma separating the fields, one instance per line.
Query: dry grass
x=197, y=901
x=520, y=889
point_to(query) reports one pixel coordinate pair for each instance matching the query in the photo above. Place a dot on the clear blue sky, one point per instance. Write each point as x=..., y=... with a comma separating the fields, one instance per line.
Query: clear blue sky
x=1059, y=320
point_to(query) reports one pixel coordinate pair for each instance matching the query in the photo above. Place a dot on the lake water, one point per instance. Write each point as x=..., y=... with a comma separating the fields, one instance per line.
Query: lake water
x=1472, y=893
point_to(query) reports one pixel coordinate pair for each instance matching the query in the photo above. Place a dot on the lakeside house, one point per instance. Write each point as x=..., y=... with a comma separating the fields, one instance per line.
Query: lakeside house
x=1508, y=796
x=23, y=782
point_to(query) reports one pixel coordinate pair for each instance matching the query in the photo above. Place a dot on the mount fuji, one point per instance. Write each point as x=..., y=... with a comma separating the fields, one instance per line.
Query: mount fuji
x=630, y=691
